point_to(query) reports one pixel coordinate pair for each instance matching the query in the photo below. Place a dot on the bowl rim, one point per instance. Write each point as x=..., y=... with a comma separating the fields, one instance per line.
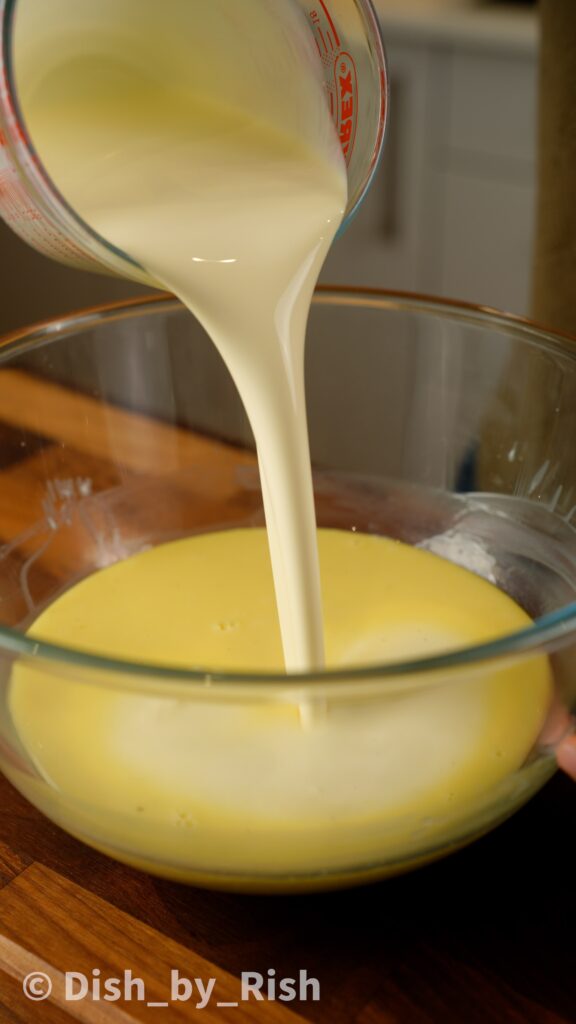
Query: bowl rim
x=554, y=629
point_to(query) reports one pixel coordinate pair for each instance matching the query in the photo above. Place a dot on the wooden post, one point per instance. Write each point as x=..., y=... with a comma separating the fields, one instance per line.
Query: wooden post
x=554, y=281
x=523, y=418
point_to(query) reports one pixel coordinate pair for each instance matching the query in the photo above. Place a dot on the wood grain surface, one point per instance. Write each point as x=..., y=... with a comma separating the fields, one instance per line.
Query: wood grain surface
x=484, y=937
x=74, y=927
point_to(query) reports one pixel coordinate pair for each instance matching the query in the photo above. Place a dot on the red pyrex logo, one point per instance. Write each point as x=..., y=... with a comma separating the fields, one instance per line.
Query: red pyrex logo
x=347, y=99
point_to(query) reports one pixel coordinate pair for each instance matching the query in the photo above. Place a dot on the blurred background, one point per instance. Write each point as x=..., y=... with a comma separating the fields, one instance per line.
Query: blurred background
x=452, y=210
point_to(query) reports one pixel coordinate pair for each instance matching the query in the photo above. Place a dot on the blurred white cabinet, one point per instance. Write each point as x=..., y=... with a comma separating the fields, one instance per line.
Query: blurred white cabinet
x=383, y=245
x=485, y=248
x=451, y=211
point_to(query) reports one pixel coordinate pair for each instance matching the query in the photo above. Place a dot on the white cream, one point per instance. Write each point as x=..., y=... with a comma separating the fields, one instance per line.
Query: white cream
x=197, y=138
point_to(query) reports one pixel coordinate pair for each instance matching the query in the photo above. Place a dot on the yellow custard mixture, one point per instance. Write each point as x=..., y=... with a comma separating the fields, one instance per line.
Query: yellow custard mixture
x=274, y=784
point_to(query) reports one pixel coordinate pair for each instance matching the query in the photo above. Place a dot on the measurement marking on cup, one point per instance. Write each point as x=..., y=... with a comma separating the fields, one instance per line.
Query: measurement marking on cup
x=341, y=77
x=325, y=32
x=330, y=22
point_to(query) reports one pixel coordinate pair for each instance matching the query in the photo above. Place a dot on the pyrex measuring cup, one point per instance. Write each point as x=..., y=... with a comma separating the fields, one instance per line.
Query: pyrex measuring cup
x=347, y=36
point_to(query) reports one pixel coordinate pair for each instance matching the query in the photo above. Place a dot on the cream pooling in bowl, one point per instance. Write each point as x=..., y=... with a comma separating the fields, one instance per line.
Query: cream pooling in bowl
x=202, y=785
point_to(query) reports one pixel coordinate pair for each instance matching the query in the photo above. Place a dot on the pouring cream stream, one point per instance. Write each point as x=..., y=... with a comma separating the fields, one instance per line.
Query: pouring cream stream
x=197, y=138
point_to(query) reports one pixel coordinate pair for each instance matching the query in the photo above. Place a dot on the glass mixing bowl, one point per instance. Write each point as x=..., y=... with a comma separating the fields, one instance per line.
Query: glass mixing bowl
x=433, y=423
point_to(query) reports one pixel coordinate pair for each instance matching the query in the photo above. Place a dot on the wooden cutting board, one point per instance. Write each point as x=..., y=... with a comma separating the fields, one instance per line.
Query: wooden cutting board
x=485, y=937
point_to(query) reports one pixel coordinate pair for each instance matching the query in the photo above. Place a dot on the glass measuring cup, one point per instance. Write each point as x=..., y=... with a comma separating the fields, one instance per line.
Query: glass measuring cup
x=347, y=36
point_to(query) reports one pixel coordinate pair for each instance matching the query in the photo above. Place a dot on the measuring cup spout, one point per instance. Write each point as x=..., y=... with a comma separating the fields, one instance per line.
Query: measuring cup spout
x=349, y=41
